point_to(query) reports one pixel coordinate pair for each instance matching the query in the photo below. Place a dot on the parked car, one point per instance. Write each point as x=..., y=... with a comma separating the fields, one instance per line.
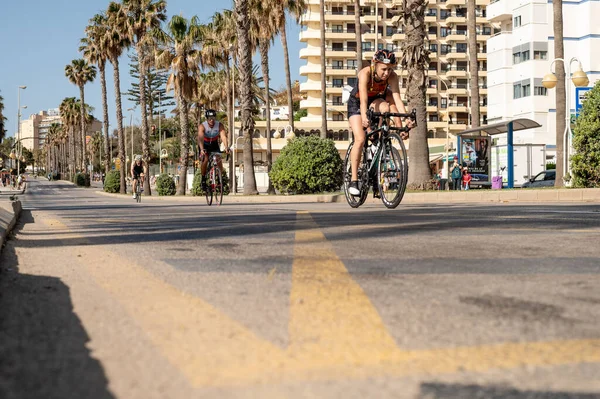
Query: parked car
x=542, y=179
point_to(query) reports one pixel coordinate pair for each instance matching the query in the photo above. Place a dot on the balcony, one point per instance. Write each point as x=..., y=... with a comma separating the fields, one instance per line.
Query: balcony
x=457, y=72
x=337, y=70
x=333, y=88
x=310, y=52
x=371, y=36
x=370, y=17
x=482, y=56
x=310, y=68
x=456, y=18
x=309, y=34
x=458, y=89
x=398, y=36
x=458, y=125
x=338, y=16
x=310, y=86
x=458, y=107
x=430, y=17
x=456, y=55
x=313, y=103
x=499, y=10
x=456, y=2
x=432, y=108
x=436, y=124
x=340, y=52
x=431, y=90
x=457, y=36
x=343, y=34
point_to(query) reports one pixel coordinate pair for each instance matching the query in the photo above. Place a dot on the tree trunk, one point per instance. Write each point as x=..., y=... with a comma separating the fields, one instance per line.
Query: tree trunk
x=102, y=67
x=82, y=145
x=288, y=76
x=145, y=137
x=73, y=152
x=246, y=95
x=264, y=58
x=359, y=55
x=323, y=74
x=561, y=101
x=415, y=58
x=185, y=144
x=473, y=64
x=120, y=133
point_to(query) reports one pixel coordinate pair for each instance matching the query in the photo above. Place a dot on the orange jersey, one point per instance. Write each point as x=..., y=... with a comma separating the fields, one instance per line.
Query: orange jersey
x=374, y=88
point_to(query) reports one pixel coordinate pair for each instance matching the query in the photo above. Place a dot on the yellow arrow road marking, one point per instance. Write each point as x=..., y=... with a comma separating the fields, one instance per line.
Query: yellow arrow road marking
x=335, y=331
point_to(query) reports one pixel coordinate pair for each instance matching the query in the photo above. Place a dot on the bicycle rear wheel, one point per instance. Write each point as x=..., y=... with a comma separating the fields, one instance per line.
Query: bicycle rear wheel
x=217, y=187
x=392, y=171
x=363, y=181
x=139, y=193
x=209, y=192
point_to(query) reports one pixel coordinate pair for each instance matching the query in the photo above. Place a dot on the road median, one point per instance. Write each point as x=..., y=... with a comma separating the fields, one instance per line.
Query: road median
x=9, y=214
x=427, y=197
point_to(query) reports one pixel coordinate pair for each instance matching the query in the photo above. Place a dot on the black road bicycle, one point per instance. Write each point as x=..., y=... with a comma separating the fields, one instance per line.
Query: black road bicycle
x=214, y=179
x=384, y=164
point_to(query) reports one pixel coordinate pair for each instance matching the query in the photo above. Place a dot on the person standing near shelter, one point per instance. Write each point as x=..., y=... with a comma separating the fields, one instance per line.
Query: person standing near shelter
x=466, y=179
x=456, y=175
x=443, y=178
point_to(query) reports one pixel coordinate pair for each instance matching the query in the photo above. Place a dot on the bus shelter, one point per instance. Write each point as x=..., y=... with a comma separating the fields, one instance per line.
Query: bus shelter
x=474, y=145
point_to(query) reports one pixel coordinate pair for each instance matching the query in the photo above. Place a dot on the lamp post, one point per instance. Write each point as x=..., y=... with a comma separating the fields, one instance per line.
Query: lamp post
x=131, y=130
x=447, y=129
x=19, y=122
x=579, y=79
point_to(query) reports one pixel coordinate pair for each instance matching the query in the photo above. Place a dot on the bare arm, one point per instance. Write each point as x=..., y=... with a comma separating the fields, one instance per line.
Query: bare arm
x=223, y=135
x=363, y=79
x=201, y=137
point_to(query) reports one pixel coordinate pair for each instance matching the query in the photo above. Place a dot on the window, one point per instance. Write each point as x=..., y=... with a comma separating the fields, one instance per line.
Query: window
x=351, y=28
x=517, y=21
x=351, y=64
x=367, y=46
x=337, y=116
x=433, y=47
x=389, y=31
x=526, y=90
x=444, y=31
x=516, y=58
x=390, y=47
x=432, y=12
x=540, y=91
x=525, y=56
x=433, y=102
x=517, y=91
x=445, y=48
x=540, y=55
x=432, y=30
x=350, y=10
x=338, y=82
x=461, y=47
x=432, y=83
x=379, y=46
x=444, y=102
x=337, y=64
x=337, y=46
x=337, y=10
x=337, y=100
x=444, y=14
x=351, y=46
x=337, y=29
x=352, y=82
x=434, y=118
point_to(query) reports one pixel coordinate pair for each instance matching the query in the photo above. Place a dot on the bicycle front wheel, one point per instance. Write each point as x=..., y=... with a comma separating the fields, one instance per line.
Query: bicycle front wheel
x=355, y=201
x=209, y=192
x=392, y=171
x=217, y=187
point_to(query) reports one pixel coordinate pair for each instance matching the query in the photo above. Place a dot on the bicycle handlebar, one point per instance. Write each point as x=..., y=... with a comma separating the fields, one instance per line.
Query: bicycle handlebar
x=372, y=115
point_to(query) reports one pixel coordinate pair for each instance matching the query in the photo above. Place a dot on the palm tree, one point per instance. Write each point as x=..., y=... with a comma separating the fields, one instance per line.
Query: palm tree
x=264, y=27
x=246, y=95
x=2, y=120
x=561, y=94
x=94, y=50
x=53, y=139
x=80, y=72
x=143, y=16
x=323, y=74
x=415, y=58
x=473, y=64
x=295, y=8
x=68, y=117
x=116, y=42
x=96, y=145
x=178, y=51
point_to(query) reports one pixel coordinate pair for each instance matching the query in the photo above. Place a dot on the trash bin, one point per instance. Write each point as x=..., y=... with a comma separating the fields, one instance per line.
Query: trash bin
x=496, y=182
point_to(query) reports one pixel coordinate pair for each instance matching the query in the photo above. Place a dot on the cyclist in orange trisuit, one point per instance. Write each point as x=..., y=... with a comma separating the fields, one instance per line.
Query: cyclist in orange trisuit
x=377, y=88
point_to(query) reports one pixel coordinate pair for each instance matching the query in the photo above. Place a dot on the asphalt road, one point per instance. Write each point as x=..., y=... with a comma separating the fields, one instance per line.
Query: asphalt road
x=104, y=298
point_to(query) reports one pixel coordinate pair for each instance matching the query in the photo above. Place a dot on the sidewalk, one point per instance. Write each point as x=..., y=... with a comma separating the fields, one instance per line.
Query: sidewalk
x=428, y=197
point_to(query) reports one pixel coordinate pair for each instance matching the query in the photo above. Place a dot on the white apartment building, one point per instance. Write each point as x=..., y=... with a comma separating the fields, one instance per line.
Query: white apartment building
x=521, y=54
x=448, y=77
x=35, y=129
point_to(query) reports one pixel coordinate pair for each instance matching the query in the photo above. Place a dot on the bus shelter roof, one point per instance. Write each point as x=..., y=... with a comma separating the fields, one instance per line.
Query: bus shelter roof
x=501, y=127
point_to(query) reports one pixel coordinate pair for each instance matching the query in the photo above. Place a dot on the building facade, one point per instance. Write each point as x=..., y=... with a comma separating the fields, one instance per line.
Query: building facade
x=448, y=71
x=521, y=54
x=35, y=129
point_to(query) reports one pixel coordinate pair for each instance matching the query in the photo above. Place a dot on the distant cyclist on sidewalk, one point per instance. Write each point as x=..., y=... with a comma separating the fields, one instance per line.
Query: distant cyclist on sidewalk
x=377, y=88
x=137, y=170
x=209, y=133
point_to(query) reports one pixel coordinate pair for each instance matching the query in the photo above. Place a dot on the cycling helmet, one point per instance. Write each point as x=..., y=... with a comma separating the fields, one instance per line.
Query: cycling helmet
x=138, y=157
x=210, y=113
x=385, y=57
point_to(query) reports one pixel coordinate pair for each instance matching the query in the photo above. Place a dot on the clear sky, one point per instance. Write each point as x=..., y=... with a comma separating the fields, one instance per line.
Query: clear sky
x=39, y=37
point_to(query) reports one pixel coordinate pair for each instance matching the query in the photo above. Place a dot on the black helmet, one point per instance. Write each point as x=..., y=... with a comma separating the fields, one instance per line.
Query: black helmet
x=210, y=113
x=384, y=56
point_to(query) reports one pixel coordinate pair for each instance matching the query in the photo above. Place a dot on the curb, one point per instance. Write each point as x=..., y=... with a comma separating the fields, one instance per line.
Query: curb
x=431, y=197
x=9, y=214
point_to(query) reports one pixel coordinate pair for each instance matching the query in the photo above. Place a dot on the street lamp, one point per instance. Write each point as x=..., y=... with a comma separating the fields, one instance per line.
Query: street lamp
x=579, y=79
x=19, y=121
x=131, y=129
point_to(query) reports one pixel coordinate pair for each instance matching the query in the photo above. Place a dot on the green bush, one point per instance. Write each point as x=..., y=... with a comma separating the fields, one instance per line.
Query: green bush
x=165, y=185
x=550, y=165
x=197, y=184
x=585, y=163
x=112, y=182
x=308, y=165
x=80, y=179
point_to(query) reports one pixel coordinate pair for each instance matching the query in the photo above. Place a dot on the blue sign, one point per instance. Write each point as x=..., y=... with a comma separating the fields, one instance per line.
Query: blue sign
x=580, y=96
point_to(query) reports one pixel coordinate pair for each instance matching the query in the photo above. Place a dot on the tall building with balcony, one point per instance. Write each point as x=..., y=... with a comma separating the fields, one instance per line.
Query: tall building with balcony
x=521, y=54
x=448, y=71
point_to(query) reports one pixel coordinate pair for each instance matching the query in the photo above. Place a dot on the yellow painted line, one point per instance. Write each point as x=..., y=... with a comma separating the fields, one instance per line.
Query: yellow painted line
x=335, y=330
x=332, y=320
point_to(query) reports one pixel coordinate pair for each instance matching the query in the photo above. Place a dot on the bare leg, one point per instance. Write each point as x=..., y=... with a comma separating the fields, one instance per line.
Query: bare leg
x=359, y=142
